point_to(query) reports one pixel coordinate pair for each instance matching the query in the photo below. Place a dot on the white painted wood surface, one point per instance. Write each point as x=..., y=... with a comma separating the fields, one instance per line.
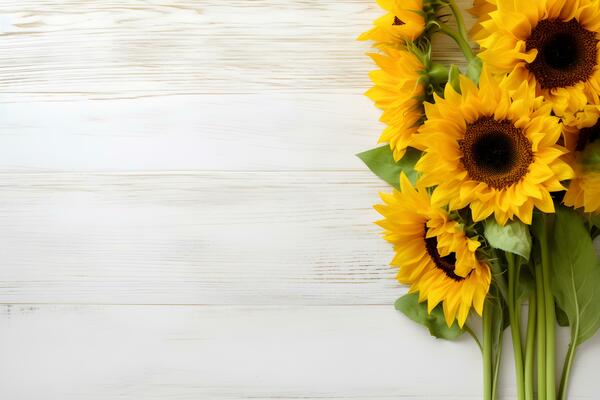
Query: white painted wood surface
x=182, y=216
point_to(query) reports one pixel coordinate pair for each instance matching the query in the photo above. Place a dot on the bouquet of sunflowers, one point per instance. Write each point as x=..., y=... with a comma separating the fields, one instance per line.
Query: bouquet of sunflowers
x=495, y=166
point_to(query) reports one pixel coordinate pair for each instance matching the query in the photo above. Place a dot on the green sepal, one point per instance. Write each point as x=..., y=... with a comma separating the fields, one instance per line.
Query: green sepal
x=435, y=322
x=381, y=161
x=453, y=78
x=438, y=74
x=514, y=237
x=474, y=69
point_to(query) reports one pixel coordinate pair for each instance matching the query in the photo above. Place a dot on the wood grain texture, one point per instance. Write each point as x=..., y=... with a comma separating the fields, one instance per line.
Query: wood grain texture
x=230, y=132
x=132, y=48
x=277, y=352
x=195, y=238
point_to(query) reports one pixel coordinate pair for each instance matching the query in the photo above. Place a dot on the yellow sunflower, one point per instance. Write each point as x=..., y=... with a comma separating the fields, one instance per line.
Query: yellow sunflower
x=404, y=21
x=492, y=149
x=552, y=43
x=399, y=90
x=433, y=254
x=584, y=189
x=481, y=10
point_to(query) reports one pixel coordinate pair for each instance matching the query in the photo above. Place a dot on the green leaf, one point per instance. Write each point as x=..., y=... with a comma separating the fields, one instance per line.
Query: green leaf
x=575, y=270
x=590, y=157
x=514, y=237
x=381, y=161
x=409, y=305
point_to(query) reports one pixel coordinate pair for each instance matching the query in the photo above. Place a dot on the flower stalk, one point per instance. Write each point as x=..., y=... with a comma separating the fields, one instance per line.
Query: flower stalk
x=462, y=43
x=541, y=331
x=460, y=21
x=461, y=37
x=514, y=305
x=488, y=350
x=530, y=345
x=549, y=311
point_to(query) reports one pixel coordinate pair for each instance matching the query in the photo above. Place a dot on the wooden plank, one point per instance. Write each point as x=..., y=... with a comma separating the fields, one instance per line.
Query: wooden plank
x=234, y=132
x=242, y=352
x=157, y=352
x=133, y=48
x=193, y=238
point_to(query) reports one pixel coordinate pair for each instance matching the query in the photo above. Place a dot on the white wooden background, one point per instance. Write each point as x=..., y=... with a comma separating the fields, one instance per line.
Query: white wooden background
x=182, y=216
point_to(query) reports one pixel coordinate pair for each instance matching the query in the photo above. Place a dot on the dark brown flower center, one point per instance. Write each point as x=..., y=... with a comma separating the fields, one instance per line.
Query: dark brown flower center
x=587, y=136
x=495, y=152
x=398, y=21
x=446, y=264
x=567, y=53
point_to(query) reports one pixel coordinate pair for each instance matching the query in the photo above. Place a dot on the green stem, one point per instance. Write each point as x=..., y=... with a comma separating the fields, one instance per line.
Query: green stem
x=515, y=323
x=496, y=370
x=497, y=357
x=499, y=277
x=541, y=332
x=529, y=346
x=550, y=320
x=488, y=346
x=464, y=45
x=566, y=373
x=460, y=22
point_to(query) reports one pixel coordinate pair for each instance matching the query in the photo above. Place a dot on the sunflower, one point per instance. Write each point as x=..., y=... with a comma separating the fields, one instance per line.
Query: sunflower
x=481, y=10
x=399, y=90
x=434, y=256
x=552, y=43
x=492, y=149
x=404, y=21
x=584, y=189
